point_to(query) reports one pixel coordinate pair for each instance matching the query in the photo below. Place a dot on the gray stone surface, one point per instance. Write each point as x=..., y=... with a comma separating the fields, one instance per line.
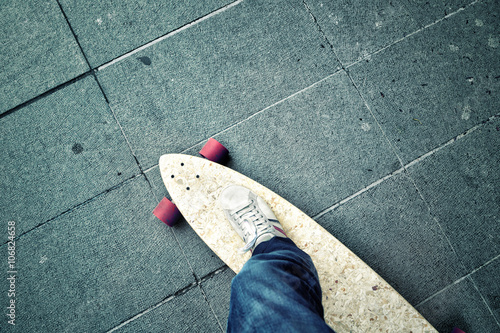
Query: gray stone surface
x=313, y=149
x=390, y=228
x=461, y=184
x=96, y=266
x=188, y=312
x=214, y=74
x=356, y=29
x=460, y=306
x=37, y=50
x=436, y=84
x=108, y=29
x=58, y=152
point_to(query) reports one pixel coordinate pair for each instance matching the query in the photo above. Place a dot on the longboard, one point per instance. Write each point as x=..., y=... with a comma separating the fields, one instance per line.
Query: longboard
x=355, y=298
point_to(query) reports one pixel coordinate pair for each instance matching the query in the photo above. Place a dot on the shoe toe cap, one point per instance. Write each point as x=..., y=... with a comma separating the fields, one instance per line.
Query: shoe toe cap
x=234, y=197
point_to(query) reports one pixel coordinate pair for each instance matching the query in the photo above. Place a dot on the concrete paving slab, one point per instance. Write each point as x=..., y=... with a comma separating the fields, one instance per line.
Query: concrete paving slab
x=202, y=260
x=98, y=265
x=487, y=281
x=357, y=29
x=218, y=292
x=390, y=228
x=441, y=81
x=214, y=74
x=314, y=149
x=58, y=152
x=460, y=183
x=188, y=312
x=37, y=49
x=108, y=29
x=460, y=306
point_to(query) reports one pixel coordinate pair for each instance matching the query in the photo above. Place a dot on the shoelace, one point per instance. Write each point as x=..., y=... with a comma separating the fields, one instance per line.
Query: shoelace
x=252, y=224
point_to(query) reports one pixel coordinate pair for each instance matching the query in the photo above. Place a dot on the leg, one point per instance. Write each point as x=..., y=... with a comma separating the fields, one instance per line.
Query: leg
x=277, y=291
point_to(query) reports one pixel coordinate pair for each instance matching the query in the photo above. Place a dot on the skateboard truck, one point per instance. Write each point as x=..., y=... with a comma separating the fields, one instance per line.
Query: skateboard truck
x=166, y=210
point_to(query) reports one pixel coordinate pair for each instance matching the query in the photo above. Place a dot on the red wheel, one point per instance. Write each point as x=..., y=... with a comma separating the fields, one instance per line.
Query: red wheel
x=214, y=151
x=167, y=212
x=457, y=330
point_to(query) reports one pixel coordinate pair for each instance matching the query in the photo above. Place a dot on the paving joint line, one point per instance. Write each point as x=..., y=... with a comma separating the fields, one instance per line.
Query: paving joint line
x=308, y=9
x=151, y=168
x=170, y=297
x=386, y=138
x=458, y=137
x=127, y=141
x=358, y=193
x=74, y=207
x=73, y=33
x=468, y=275
x=151, y=308
x=171, y=33
x=368, y=56
x=404, y=168
x=45, y=93
x=206, y=278
x=439, y=292
x=60, y=86
x=367, y=105
x=484, y=299
x=211, y=308
x=75, y=36
x=259, y=112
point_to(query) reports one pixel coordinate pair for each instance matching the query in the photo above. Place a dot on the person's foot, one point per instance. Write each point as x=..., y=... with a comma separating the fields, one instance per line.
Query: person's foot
x=250, y=216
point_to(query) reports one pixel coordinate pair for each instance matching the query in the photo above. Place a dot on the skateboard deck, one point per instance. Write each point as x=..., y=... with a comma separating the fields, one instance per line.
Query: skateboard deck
x=355, y=298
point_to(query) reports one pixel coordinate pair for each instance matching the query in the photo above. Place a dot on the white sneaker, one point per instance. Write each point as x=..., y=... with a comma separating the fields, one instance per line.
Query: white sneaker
x=250, y=216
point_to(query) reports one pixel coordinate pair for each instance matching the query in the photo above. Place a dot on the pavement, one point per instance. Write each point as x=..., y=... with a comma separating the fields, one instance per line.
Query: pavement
x=379, y=119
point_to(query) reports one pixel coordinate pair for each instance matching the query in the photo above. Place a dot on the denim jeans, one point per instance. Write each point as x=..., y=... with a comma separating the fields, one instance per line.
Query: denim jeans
x=276, y=291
